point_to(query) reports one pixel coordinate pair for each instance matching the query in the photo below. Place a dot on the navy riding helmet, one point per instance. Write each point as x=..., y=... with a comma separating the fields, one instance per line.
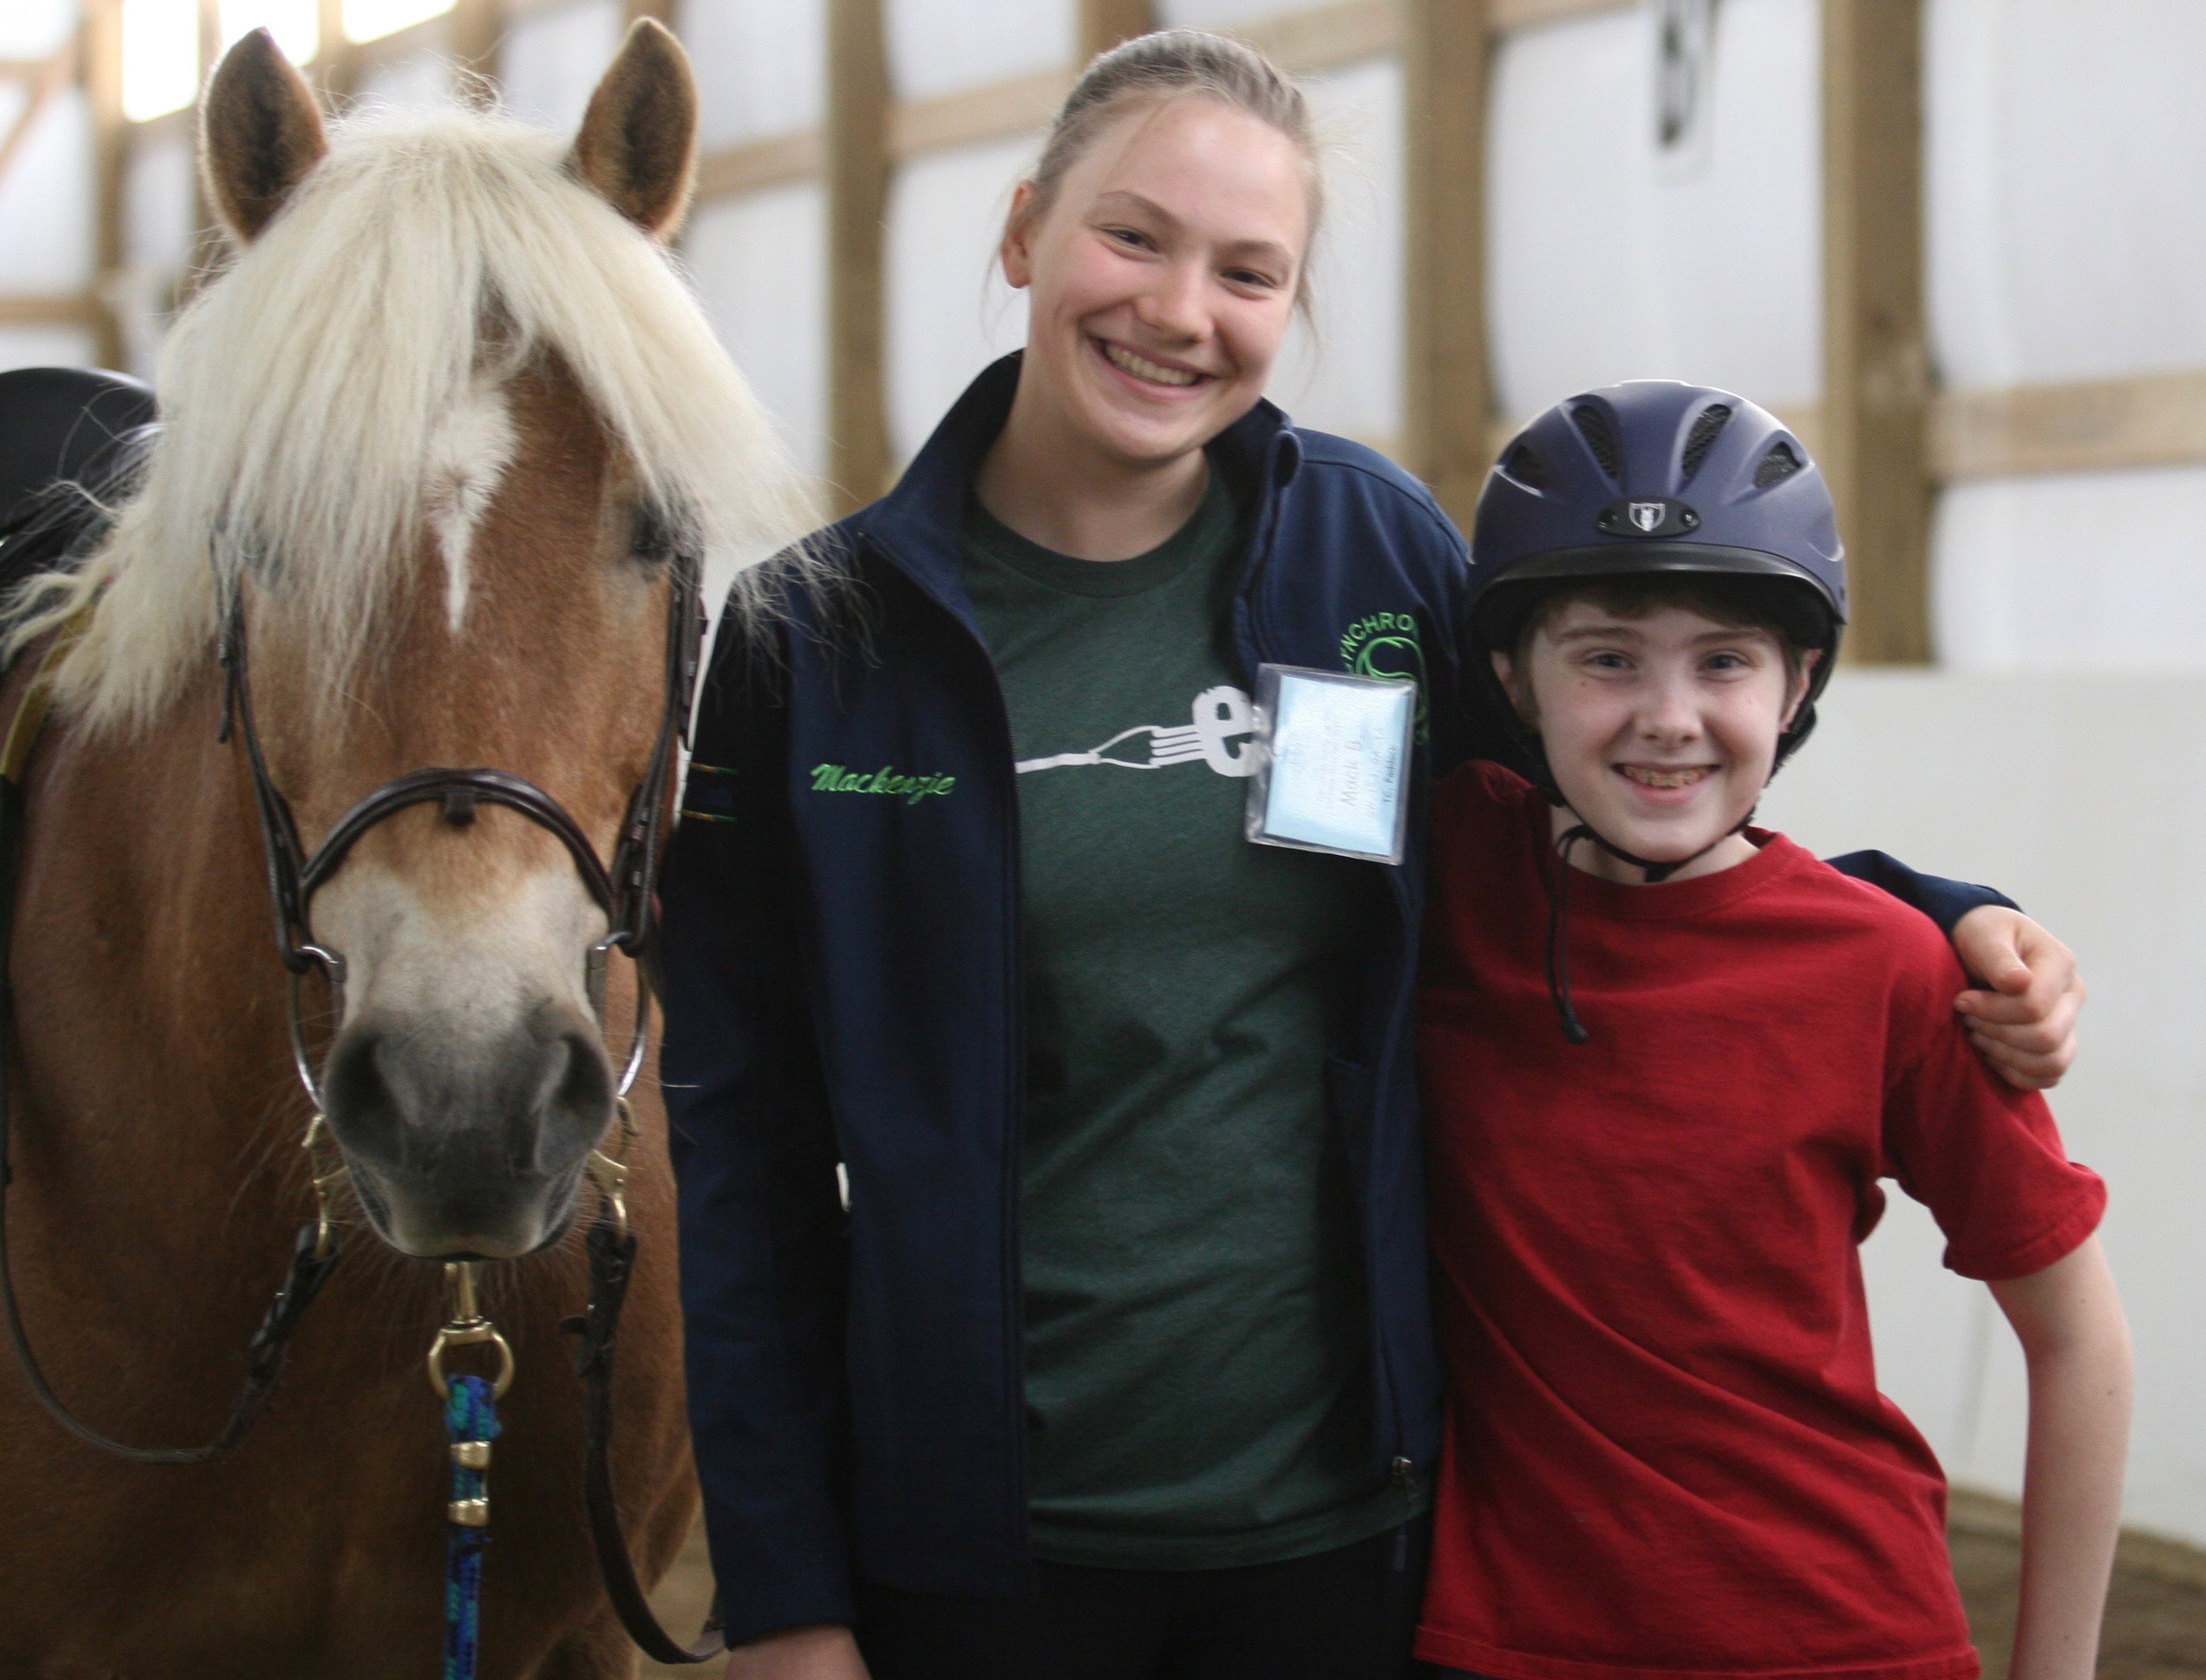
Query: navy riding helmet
x=1654, y=476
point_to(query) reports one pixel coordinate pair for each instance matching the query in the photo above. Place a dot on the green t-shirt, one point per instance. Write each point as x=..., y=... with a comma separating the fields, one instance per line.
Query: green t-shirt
x=1195, y=1364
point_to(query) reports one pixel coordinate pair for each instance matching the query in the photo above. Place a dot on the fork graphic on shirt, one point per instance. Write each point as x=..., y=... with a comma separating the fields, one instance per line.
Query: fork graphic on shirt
x=1223, y=721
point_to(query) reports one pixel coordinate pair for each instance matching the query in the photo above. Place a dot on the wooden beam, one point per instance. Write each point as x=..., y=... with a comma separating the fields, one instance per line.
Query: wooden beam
x=759, y=164
x=1105, y=22
x=58, y=308
x=23, y=70
x=1448, y=400
x=994, y=112
x=477, y=26
x=1876, y=379
x=433, y=34
x=1325, y=37
x=102, y=40
x=2148, y=420
x=1530, y=14
x=858, y=203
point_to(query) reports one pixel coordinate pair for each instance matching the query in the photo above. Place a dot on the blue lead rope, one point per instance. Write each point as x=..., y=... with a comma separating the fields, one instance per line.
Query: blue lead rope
x=471, y=1416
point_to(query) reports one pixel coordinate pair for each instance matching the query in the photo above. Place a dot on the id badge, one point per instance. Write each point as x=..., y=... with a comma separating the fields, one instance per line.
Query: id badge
x=1335, y=761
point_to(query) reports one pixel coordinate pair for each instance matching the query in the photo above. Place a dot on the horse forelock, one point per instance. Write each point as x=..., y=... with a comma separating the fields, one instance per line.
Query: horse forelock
x=337, y=393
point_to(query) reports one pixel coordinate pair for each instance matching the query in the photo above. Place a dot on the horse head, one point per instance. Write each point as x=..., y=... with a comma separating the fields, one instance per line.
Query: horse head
x=447, y=437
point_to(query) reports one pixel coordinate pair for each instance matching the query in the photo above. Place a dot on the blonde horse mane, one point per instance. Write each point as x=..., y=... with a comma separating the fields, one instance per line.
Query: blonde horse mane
x=303, y=393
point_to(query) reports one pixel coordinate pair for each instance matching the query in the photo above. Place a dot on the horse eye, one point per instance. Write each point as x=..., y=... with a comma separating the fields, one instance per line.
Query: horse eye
x=650, y=539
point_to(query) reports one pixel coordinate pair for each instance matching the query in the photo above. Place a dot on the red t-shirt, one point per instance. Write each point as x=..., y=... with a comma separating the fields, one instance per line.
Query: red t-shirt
x=1666, y=1456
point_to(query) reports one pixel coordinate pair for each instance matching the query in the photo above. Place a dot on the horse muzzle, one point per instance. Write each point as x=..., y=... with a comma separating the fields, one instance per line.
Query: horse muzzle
x=463, y=1145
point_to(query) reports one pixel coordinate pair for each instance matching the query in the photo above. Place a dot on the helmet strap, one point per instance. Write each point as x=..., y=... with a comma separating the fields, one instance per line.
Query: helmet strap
x=1558, y=966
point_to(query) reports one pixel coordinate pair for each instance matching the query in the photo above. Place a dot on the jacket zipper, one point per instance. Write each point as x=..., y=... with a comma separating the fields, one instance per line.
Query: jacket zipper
x=1402, y=1471
x=1015, y=1094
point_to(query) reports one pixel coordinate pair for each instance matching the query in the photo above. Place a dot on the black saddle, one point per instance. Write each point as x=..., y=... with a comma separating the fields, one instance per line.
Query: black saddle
x=61, y=427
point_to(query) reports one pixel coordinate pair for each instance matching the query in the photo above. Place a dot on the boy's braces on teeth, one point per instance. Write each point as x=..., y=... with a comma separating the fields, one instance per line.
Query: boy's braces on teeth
x=1142, y=368
x=1665, y=778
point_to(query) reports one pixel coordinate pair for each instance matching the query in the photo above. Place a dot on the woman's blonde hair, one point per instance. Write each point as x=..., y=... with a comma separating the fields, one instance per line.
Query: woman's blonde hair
x=1167, y=65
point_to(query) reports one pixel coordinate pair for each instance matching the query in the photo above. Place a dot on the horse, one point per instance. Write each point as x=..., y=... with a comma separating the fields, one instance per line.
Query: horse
x=435, y=443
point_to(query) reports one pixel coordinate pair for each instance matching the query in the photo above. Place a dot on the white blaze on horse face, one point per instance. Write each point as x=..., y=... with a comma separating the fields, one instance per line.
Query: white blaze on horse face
x=469, y=453
x=467, y=1078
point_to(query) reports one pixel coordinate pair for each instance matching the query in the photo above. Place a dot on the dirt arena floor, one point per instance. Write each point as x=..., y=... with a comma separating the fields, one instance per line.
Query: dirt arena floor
x=2155, y=1616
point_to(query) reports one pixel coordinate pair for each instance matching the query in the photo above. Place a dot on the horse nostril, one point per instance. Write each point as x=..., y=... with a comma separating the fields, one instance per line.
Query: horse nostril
x=363, y=1109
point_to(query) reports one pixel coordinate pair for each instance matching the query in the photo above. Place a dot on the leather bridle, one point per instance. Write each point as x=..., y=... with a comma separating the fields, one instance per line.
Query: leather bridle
x=622, y=890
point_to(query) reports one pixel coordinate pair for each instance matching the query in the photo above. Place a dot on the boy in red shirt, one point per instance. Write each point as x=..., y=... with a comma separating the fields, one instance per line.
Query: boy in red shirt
x=1668, y=1057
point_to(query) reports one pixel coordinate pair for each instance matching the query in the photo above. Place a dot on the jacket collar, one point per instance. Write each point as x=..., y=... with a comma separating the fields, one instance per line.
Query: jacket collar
x=917, y=526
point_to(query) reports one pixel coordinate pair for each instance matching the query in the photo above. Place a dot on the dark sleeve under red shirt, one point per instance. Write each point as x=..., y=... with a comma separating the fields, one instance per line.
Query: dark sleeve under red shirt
x=1667, y=1456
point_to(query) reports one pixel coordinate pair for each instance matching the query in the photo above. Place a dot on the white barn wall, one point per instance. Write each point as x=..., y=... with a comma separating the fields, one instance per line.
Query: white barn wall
x=760, y=66
x=937, y=48
x=549, y=61
x=1345, y=375
x=2064, y=145
x=1609, y=259
x=2078, y=797
x=760, y=264
x=951, y=313
x=46, y=197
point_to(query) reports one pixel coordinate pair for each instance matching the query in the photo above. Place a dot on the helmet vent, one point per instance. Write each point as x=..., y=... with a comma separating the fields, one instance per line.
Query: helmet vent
x=1523, y=464
x=1779, y=463
x=1701, y=439
x=1600, y=434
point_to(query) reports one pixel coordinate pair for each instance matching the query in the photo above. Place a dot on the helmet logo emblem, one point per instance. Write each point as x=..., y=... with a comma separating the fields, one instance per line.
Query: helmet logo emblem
x=1647, y=516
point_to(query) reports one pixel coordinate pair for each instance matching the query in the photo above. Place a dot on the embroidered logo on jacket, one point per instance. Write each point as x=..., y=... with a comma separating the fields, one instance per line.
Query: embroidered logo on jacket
x=833, y=778
x=1386, y=644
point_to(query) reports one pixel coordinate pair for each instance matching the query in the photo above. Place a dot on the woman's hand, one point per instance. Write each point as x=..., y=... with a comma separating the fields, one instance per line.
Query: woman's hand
x=798, y=1654
x=2025, y=1024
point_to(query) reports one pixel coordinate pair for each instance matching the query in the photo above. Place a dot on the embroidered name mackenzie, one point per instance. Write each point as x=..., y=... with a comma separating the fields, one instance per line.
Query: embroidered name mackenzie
x=833, y=778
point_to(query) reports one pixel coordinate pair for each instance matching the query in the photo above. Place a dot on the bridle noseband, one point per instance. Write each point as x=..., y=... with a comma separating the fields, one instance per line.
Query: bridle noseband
x=623, y=890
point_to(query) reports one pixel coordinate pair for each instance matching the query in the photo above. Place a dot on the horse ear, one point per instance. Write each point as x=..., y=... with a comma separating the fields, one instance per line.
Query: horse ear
x=260, y=133
x=637, y=148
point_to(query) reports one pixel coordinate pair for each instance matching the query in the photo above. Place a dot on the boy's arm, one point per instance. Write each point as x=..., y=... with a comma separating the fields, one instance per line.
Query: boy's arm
x=2069, y=1320
x=2023, y=1020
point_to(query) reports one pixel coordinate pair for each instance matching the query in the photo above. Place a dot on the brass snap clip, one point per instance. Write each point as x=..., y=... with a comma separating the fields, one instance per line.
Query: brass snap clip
x=329, y=1171
x=609, y=1172
x=466, y=1325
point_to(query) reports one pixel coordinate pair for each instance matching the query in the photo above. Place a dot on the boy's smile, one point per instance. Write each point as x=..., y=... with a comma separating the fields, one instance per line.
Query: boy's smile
x=1661, y=730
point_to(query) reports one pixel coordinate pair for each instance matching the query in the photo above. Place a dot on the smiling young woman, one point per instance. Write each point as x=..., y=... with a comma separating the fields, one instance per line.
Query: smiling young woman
x=1118, y=1361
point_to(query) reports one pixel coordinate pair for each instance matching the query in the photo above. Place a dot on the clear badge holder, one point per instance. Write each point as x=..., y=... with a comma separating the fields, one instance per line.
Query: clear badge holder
x=1334, y=764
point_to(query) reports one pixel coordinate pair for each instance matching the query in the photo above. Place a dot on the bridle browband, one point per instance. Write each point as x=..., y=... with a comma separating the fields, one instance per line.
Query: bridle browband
x=623, y=890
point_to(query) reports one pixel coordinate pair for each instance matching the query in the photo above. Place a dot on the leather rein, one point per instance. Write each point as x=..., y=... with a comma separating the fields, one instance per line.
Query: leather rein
x=623, y=891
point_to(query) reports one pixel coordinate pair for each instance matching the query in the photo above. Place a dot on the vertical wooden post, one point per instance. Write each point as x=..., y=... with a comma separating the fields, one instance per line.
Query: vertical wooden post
x=332, y=66
x=1105, y=22
x=858, y=203
x=477, y=26
x=102, y=63
x=1448, y=389
x=1876, y=371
